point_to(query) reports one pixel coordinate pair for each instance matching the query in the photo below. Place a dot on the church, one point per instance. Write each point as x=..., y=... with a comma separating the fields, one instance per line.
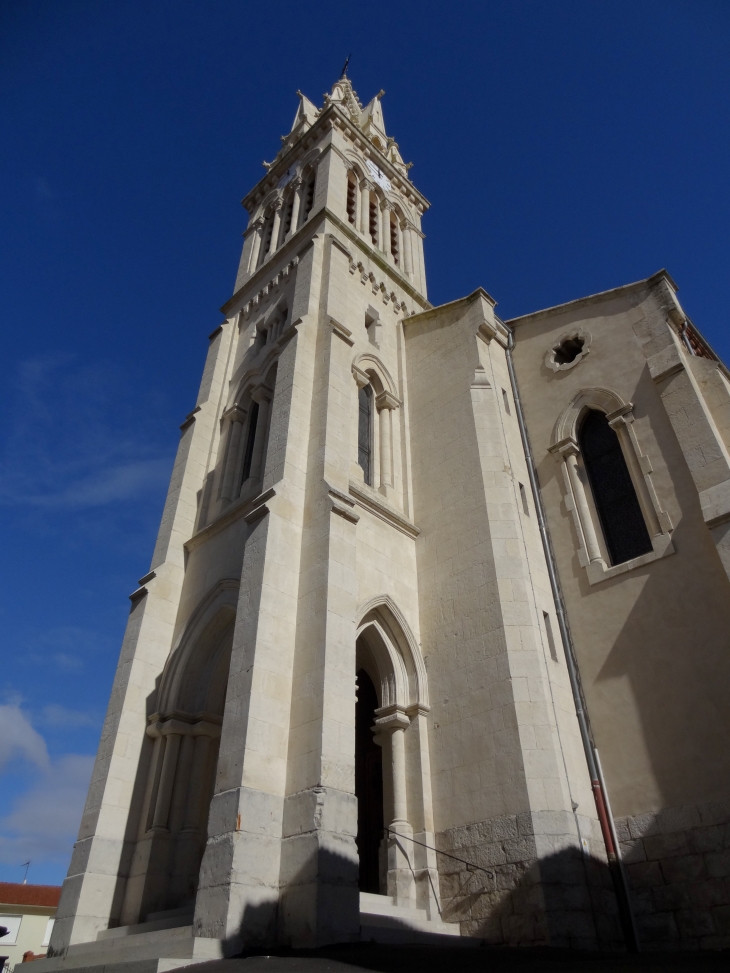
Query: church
x=433, y=646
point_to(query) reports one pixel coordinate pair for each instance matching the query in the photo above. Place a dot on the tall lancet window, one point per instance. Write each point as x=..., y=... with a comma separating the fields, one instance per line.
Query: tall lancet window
x=250, y=441
x=351, y=198
x=365, y=432
x=624, y=527
x=308, y=197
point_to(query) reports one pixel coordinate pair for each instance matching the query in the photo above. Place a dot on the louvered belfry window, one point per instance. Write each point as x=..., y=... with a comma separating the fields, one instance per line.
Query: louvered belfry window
x=624, y=528
x=365, y=432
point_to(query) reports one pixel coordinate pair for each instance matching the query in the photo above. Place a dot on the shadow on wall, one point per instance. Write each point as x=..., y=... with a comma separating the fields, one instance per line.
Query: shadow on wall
x=565, y=899
x=675, y=658
x=318, y=905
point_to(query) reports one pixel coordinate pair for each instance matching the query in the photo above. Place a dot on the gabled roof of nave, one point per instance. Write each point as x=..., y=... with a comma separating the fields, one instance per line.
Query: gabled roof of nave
x=369, y=120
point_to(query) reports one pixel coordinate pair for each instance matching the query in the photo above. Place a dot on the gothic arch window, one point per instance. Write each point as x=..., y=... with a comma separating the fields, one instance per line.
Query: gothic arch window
x=394, y=248
x=373, y=219
x=268, y=231
x=377, y=456
x=310, y=181
x=614, y=495
x=352, y=197
x=247, y=439
x=609, y=492
x=365, y=432
x=287, y=218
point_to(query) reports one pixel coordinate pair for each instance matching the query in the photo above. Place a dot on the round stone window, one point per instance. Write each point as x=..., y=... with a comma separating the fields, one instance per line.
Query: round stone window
x=568, y=350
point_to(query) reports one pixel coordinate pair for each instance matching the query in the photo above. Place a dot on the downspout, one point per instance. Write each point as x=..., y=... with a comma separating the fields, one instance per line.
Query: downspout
x=598, y=785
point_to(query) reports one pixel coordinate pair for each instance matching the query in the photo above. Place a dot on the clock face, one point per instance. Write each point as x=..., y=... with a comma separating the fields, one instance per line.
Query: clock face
x=378, y=176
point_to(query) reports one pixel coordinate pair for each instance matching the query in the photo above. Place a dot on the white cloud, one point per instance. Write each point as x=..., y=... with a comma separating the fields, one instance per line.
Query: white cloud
x=18, y=739
x=59, y=716
x=44, y=822
x=120, y=482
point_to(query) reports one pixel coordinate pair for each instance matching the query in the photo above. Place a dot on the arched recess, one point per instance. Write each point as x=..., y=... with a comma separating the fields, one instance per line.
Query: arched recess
x=182, y=741
x=388, y=653
x=594, y=552
x=379, y=439
x=245, y=423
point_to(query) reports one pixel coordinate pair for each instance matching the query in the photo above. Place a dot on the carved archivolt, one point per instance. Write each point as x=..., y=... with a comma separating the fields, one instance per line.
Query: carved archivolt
x=400, y=665
x=602, y=399
x=368, y=362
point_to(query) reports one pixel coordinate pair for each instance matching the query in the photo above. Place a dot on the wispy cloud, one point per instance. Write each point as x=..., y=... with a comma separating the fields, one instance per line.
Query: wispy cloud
x=69, y=445
x=58, y=716
x=66, y=646
x=44, y=821
x=18, y=739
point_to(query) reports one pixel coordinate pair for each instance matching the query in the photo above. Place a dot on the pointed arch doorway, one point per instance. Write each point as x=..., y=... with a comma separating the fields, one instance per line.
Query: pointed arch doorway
x=395, y=834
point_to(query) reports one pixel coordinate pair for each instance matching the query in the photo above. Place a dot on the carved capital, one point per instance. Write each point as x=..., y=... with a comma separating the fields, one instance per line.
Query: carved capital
x=362, y=378
x=565, y=448
x=386, y=400
x=236, y=414
x=396, y=720
x=262, y=393
x=621, y=416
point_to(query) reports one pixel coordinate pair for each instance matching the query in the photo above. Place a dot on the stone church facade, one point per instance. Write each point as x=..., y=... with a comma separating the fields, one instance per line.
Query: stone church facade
x=434, y=643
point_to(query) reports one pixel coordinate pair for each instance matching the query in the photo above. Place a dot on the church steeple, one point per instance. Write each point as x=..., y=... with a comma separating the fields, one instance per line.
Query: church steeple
x=339, y=160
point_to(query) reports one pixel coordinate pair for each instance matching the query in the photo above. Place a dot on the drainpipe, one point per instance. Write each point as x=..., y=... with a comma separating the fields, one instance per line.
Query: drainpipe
x=598, y=785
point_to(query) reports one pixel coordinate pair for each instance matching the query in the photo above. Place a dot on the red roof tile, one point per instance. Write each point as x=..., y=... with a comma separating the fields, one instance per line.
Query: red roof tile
x=14, y=893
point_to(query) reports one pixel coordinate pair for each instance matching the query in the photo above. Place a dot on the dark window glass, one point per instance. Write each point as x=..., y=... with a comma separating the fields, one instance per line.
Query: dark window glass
x=613, y=491
x=309, y=197
x=364, y=432
x=250, y=440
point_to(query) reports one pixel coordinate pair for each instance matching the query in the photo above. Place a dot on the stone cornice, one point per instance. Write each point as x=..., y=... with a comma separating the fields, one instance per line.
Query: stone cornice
x=376, y=505
x=625, y=289
x=286, y=254
x=500, y=331
x=250, y=509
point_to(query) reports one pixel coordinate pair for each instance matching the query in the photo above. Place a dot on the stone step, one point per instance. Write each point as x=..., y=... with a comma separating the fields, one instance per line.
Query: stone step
x=150, y=951
x=383, y=905
x=177, y=921
x=381, y=920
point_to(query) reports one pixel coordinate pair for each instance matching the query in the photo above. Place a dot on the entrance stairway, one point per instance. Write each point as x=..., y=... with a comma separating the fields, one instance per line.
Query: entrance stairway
x=381, y=921
x=166, y=941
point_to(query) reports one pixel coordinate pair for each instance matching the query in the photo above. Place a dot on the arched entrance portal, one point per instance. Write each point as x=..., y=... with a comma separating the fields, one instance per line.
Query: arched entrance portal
x=368, y=785
x=393, y=787
x=182, y=744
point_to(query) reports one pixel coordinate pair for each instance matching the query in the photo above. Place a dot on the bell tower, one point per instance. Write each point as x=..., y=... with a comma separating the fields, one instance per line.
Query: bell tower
x=223, y=805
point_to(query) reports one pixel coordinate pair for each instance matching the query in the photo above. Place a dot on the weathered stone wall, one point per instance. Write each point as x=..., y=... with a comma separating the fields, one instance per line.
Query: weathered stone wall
x=499, y=884
x=678, y=863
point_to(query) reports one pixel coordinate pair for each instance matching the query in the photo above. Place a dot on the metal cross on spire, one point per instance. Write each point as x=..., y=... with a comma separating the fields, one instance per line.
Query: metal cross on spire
x=344, y=67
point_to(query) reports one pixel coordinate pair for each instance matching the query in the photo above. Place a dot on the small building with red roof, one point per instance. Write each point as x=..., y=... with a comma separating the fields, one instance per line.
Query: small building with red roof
x=27, y=911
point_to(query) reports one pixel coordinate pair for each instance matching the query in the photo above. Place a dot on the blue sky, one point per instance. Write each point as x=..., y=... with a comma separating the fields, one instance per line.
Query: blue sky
x=566, y=147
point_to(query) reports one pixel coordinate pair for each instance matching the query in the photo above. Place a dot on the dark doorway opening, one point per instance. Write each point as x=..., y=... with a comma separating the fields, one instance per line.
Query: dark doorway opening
x=368, y=785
